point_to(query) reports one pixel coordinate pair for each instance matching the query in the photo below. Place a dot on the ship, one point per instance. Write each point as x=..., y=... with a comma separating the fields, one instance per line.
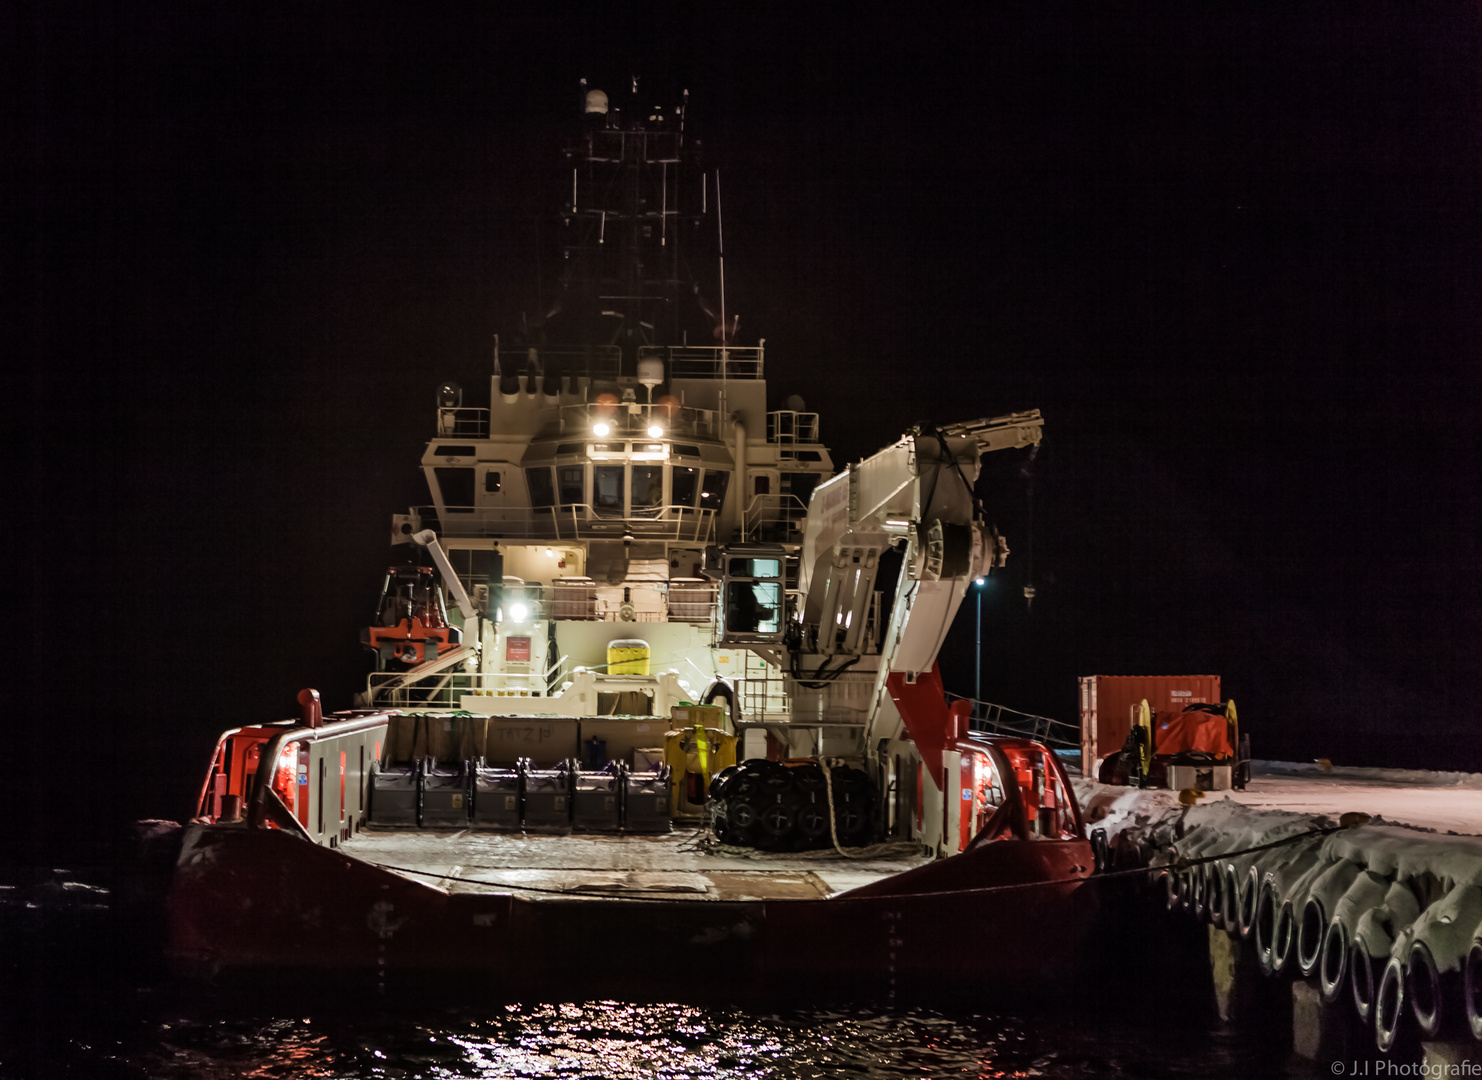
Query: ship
x=655, y=705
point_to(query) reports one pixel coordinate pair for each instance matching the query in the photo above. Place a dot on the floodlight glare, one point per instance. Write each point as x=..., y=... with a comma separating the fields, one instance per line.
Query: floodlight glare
x=518, y=611
x=655, y=430
x=601, y=429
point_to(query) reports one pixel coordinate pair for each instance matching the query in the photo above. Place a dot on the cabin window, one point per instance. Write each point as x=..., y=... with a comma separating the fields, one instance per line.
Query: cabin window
x=571, y=448
x=761, y=485
x=648, y=487
x=607, y=489
x=449, y=450
x=713, y=491
x=800, y=485
x=491, y=482
x=807, y=455
x=684, y=482
x=542, y=493
x=569, y=484
x=753, y=568
x=685, y=450
x=456, y=486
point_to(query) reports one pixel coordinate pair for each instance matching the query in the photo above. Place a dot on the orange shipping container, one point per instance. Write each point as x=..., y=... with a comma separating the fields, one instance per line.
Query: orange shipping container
x=1108, y=701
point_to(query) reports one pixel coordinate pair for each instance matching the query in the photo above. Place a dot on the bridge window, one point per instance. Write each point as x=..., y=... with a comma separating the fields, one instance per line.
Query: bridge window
x=607, y=489
x=491, y=482
x=648, y=486
x=456, y=486
x=542, y=493
x=684, y=482
x=569, y=484
x=713, y=491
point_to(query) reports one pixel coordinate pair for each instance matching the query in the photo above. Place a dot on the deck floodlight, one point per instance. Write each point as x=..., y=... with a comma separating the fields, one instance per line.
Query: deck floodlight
x=655, y=430
x=518, y=611
x=601, y=429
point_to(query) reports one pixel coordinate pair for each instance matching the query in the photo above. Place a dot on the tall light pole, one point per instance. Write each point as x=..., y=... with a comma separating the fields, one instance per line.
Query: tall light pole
x=978, y=584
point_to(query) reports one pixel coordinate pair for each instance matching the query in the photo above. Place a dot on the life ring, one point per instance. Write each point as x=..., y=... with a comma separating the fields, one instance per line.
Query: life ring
x=1389, y=1005
x=1333, y=965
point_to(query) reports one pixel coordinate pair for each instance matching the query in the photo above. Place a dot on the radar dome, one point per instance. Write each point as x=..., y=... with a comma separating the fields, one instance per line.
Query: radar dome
x=650, y=371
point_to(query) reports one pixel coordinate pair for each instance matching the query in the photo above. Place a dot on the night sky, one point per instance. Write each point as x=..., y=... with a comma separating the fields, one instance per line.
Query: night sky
x=1232, y=251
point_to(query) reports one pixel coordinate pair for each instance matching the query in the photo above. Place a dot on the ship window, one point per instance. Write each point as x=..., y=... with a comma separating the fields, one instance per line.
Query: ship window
x=800, y=485
x=686, y=450
x=491, y=482
x=571, y=448
x=753, y=568
x=713, y=491
x=607, y=489
x=542, y=494
x=753, y=607
x=807, y=455
x=448, y=450
x=569, y=484
x=684, y=483
x=648, y=486
x=761, y=485
x=456, y=486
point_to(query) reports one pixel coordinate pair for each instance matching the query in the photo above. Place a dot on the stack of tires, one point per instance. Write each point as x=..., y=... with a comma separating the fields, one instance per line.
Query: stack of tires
x=784, y=805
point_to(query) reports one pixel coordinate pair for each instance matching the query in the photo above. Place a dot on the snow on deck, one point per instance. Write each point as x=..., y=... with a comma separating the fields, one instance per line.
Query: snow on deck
x=675, y=865
x=1444, y=802
x=1409, y=874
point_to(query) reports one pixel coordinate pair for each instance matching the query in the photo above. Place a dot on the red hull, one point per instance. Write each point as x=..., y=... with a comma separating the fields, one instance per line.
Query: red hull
x=263, y=899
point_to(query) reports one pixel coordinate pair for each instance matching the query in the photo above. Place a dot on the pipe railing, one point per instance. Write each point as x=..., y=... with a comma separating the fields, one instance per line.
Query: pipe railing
x=990, y=719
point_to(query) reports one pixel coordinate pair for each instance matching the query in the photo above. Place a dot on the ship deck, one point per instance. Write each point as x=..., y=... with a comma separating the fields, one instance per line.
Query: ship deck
x=674, y=865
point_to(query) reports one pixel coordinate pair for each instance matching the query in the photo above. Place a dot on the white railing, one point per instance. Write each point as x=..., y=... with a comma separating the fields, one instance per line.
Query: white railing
x=840, y=702
x=574, y=521
x=631, y=421
x=991, y=719
x=773, y=511
x=689, y=600
x=788, y=426
x=595, y=362
x=708, y=362
x=445, y=689
x=463, y=423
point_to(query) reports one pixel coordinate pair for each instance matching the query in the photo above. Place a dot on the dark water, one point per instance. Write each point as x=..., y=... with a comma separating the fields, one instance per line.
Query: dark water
x=81, y=997
x=618, y=1040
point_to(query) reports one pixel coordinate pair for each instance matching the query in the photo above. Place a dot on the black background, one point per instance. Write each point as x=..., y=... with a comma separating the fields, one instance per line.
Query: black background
x=1231, y=251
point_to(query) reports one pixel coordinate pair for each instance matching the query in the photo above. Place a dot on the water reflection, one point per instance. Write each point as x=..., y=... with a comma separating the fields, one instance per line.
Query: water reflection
x=614, y=1040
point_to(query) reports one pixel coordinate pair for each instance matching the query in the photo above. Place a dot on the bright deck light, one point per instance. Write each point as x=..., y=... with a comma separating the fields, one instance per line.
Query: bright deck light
x=518, y=611
x=601, y=429
x=655, y=430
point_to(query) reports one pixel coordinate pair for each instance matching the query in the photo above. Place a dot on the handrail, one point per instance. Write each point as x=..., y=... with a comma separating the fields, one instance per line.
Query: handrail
x=992, y=719
x=573, y=521
x=708, y=361
x=262, y=781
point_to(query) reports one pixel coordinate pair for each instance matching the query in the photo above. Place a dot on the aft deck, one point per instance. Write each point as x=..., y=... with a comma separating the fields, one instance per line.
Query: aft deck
x=675, y=865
